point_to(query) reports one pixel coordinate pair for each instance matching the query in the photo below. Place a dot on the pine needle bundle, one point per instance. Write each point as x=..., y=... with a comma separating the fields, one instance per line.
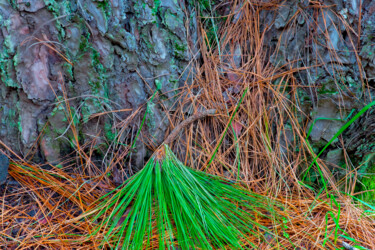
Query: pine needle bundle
x=167, y=205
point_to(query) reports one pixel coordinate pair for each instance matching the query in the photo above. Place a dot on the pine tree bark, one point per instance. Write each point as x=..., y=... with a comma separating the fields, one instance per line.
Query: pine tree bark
x=99, y=55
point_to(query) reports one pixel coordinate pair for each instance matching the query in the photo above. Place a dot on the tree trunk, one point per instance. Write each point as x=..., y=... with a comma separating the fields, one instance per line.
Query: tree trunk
x=113, y=55
x=100, y=56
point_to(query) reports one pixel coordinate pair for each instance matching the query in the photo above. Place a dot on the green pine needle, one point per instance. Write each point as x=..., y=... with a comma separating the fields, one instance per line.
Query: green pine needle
x=168, y=206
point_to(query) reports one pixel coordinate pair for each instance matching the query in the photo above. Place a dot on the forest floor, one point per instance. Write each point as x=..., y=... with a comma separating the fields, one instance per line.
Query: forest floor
x=246, y=142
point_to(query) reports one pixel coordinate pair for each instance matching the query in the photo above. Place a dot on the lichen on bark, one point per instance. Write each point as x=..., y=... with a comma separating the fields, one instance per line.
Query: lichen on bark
x=109, y=54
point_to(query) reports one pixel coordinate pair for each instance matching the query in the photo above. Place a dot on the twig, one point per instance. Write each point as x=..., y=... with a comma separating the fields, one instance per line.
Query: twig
x=191, y=119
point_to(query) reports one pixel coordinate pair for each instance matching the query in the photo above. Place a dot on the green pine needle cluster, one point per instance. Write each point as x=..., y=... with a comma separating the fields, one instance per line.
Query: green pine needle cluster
x=170, y=206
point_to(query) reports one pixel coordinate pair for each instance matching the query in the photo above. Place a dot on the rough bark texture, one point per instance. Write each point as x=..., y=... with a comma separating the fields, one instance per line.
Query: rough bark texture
x=120, y=51
x=338, y=81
